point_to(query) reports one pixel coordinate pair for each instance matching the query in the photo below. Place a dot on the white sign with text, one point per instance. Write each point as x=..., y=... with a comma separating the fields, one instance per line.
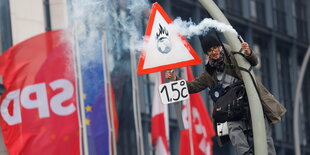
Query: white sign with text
x=174, y=91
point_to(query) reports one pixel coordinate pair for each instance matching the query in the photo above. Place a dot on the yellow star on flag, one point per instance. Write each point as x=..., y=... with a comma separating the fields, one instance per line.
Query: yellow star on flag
x=84, y=96
x=87, y=121
x=88, y=108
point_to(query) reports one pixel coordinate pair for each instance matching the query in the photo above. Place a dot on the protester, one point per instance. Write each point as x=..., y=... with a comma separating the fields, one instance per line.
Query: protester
x=222, y=74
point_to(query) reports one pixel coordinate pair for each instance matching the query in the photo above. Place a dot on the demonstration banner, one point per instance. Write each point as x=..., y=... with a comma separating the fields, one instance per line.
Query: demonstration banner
x=39, y=109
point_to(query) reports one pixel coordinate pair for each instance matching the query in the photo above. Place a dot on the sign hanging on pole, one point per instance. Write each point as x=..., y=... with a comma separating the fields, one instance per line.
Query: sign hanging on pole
x=164, y=48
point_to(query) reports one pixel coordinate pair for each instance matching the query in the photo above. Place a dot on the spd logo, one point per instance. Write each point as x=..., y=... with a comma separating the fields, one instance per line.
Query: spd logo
x=36, y=97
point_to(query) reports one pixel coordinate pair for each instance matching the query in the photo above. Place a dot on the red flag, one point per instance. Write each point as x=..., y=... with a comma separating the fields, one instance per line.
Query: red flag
x=196, y=138
x=160, y=125
x=38, y=109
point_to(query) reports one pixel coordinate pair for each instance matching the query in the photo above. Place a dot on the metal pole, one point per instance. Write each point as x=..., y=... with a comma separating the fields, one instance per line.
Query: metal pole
x=79, y=98
x=258, y=122
x=109, y=102
x=136, y=101
x=296, y=104
x=178, y=111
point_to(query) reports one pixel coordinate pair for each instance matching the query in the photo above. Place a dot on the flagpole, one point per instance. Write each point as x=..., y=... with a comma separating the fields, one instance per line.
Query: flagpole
x=136, y=100
x=79, y=97
x=166, y=111
x=189, y=113
x=107, y=85
x=190, y=127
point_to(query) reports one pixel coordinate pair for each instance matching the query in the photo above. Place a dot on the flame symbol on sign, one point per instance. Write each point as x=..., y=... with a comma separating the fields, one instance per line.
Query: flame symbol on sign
x=162, y=31
x=163, y=41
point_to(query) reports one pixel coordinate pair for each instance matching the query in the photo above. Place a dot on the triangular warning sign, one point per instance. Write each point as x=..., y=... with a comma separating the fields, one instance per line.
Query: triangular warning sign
x=164, y=48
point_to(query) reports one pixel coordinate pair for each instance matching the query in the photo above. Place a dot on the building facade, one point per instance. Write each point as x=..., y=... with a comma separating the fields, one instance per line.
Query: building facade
x=277, y=30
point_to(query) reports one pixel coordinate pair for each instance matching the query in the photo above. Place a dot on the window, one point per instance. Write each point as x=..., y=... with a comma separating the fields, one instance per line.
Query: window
x=280, y=15
x=257, y=11
x=182, y=9
x=301, y=19
x=262, y=70
x=234, y=7
x=285, y=89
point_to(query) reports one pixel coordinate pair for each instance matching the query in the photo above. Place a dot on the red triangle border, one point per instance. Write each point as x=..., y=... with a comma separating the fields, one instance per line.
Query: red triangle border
x=140, y=69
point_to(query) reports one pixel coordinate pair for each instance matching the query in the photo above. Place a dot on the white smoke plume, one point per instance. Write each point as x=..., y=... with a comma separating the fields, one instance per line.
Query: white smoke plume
x=132, y=23
x=189, y=29
x=121, y=20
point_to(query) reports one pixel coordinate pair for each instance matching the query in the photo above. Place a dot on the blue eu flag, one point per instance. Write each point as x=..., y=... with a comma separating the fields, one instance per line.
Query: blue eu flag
x=96, y=114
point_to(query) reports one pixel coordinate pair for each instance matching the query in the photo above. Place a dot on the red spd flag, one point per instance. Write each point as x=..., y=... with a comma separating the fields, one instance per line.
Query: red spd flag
x=39, y=109
x=196, y=138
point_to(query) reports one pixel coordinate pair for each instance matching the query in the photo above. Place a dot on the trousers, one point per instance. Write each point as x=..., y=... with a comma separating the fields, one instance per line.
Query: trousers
x=243, y=140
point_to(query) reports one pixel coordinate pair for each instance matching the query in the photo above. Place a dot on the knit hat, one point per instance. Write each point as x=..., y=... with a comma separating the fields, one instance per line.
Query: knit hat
x=208, y=41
